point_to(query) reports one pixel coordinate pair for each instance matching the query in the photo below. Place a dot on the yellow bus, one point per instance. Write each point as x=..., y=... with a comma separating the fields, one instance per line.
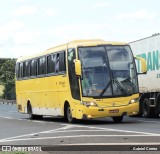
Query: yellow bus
x=82, y=79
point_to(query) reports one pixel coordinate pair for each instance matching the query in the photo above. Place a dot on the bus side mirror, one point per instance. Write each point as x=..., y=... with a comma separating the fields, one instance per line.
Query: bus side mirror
x=142, y=64
x=77, y=67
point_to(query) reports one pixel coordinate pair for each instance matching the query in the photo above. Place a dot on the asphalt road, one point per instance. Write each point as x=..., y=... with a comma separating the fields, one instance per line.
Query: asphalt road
x=134, y=134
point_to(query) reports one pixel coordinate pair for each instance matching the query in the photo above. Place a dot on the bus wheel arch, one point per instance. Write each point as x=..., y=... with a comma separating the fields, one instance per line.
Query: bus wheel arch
x=68, y=112
x=29, y=110
x=28, y=106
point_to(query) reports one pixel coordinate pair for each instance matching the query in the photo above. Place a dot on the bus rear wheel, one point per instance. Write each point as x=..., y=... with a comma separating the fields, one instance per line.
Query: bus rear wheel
x=117, y=119
x=31, y=115
x=69, y=116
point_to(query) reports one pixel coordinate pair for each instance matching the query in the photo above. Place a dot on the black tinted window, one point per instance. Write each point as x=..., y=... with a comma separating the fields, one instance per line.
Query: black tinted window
x=17, y=70
x=62, y=66
x=33, y=67
x=27, y=69
x=24, y=69
x=51, y=63
x=21, y=70
x=41, y=66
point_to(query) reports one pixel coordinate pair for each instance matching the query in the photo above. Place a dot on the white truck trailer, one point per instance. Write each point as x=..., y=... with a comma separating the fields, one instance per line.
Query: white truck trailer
x=149, y=84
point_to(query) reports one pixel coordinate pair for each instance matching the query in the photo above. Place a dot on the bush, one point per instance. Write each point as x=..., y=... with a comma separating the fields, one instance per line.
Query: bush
x=9, y=90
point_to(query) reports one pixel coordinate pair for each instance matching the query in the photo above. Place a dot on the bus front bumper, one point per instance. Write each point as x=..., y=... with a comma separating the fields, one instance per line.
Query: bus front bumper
x=84, y=112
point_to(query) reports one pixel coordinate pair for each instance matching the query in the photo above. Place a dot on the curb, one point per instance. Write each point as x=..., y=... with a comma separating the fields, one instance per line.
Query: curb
x=8, y=102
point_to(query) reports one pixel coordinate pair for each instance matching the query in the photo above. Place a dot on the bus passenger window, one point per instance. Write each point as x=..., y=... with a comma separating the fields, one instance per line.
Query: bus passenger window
x=41, y=65
x=62, y=66
x=27, y=66
x=21, y=70
x=24, y=69
x=57, y=63
x=18, y=70
x=51, y=64
x=33, y=67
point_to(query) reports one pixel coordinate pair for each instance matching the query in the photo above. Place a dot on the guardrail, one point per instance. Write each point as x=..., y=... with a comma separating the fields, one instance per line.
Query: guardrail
x=4, y=101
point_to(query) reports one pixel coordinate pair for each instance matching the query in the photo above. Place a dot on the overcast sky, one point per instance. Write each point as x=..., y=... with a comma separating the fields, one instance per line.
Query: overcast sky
x=31, y=26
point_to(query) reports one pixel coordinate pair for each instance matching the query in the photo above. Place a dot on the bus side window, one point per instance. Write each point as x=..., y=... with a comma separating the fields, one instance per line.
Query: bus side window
x=41, y=66
x=33, y=67
x=57, y=63
x=18, y=70
x=27, y=66
x=21, y=70
x=24, y=69
x=51, y=64
x=62, y=62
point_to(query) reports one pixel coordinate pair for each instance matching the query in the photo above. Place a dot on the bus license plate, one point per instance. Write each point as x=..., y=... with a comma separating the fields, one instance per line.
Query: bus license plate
x=114, y=111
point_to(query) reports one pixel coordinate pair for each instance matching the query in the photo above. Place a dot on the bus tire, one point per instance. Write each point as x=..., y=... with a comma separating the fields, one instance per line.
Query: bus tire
x=68, y=115
x=117, y=119
x=30, y=113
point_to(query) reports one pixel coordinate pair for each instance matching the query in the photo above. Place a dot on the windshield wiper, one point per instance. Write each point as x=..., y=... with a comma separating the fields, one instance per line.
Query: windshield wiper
x=104, y=90
x=120, y=86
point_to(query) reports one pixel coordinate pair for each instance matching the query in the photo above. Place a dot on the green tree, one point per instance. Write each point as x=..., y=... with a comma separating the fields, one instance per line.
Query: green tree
x=3, y=60
x=7, y=71
x=7, y=78
x=9, y=90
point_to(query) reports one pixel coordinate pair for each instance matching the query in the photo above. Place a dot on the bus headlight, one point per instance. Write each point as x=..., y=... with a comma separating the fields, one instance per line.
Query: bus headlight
x=89, y=104
x=135, y=100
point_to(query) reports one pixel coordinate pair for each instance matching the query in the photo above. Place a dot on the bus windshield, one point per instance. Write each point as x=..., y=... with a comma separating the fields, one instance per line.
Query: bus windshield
x=107, y=71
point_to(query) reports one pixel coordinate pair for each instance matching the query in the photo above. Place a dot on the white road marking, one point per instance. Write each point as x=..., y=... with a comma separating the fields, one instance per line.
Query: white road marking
x=64, y=129
x=68, y=126
x=11, y=118
x=12, y=111
x=2, y=140
x=55, y=130
x=7, y=118
x=107, y=130
x=37, y=121
x=76, y=136
x=117, y=130
x=70, y=131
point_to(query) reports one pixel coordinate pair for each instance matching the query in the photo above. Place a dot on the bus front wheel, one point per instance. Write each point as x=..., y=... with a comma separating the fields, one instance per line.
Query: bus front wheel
x=117, y=119
x=69, y=116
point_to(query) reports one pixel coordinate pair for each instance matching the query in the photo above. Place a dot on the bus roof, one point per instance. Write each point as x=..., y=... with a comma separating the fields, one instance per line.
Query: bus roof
x=72, y=44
